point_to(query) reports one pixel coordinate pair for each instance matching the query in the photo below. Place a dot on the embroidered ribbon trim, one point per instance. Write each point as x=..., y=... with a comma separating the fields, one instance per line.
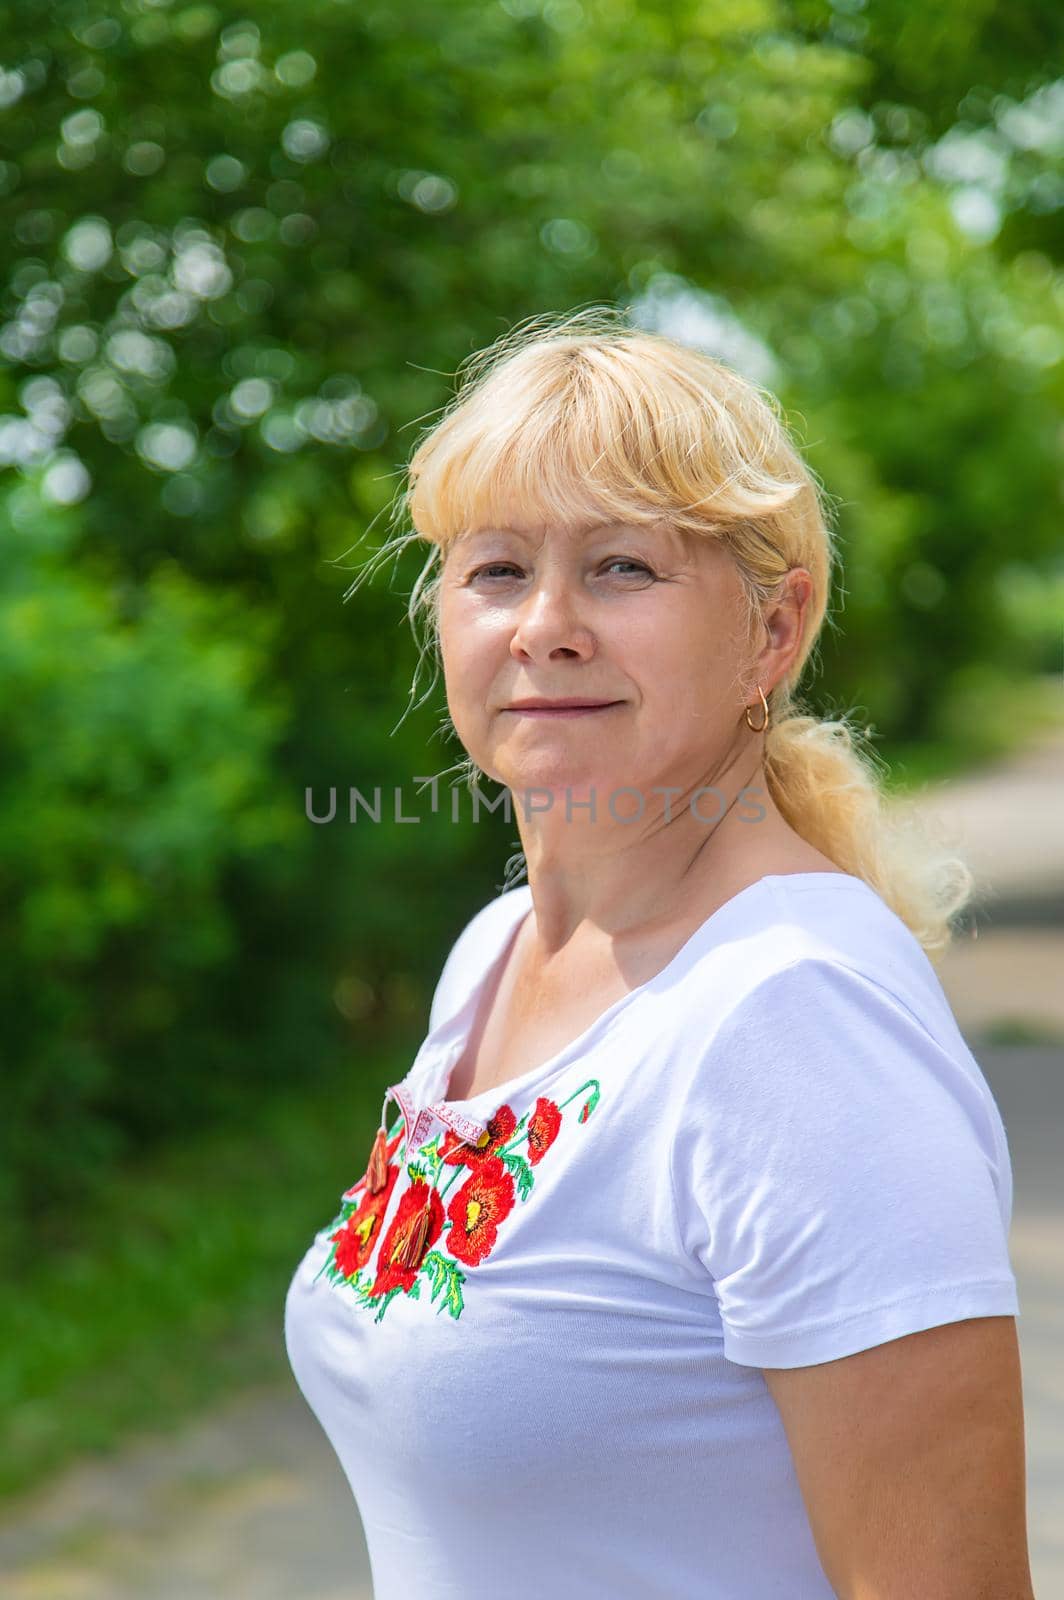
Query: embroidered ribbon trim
x=417, y=1124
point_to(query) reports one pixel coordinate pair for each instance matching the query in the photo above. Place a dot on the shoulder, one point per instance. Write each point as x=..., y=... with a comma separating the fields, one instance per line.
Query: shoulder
x=856, y=953
x=809, y=940
x=822, y=1028
x=838, y=1162
x=825, y=1008
x=824, y=1073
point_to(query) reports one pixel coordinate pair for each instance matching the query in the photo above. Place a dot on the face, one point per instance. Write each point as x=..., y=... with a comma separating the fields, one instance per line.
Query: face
x=644, y=622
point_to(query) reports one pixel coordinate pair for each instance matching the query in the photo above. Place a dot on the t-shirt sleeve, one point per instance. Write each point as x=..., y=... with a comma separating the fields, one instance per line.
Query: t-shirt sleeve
x=841, y=1175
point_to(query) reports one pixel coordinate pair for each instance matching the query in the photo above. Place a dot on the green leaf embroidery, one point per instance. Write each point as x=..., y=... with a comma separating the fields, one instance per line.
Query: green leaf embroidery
x=445, y=1276
x=384, y=1301
x=360, y=1285
x=521, y=1170
x=416, y=1171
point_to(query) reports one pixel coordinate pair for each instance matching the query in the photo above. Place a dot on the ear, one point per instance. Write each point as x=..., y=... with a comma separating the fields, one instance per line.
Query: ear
x=784, y=621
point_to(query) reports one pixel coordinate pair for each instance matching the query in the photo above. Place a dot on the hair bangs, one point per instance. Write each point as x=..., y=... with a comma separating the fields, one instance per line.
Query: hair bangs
x=593, y=431
x=539, y=460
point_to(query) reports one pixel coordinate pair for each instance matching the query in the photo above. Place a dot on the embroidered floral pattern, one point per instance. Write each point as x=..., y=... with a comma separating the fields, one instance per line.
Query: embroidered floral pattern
x=454, y=1152
x=484, y=1200
x=543, y=1129
x=356, y=1238
x=493, y=1176
x=391, y=1274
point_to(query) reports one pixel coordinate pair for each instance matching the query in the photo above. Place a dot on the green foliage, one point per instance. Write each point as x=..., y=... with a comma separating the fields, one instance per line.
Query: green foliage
x=139, y=770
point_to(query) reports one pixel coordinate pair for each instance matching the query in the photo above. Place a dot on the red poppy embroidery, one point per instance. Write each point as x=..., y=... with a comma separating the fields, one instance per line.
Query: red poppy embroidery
x=484, y=1200
x=391, y=1274
x=356, y=1238
x=455, y=1152
x=498, y=1174
x=543, y=1127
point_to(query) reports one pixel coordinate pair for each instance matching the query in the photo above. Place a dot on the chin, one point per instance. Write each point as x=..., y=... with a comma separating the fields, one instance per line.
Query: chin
x=558, y=779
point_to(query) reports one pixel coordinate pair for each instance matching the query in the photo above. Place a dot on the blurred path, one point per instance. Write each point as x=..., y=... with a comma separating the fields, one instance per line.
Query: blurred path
x=250, y=1503
x=246, y=1504
x=1007, y=977
x=1008, y=823
x=1028, y=1083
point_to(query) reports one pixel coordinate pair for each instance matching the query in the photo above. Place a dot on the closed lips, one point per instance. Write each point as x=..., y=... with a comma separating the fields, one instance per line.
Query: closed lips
x=560, y=705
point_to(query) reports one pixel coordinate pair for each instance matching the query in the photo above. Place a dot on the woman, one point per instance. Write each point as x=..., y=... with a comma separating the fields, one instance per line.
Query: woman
x=682, y=1268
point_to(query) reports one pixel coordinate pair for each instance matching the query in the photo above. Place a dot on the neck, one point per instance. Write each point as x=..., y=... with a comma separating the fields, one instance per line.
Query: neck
x=621, y=877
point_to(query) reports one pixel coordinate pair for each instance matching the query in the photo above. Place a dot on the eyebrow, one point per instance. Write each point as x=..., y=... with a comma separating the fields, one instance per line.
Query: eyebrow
x=601, y=530
x=677, y=548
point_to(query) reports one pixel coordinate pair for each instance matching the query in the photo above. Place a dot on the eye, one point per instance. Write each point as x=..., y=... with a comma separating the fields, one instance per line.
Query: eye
x=501, y=569
x=490, y=568
x=627, y=561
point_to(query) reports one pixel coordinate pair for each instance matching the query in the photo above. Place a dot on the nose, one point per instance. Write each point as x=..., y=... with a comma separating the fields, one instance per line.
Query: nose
x=551, y=622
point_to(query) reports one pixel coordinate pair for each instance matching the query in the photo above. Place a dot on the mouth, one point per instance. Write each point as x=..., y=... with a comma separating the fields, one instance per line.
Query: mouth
x=561, y=708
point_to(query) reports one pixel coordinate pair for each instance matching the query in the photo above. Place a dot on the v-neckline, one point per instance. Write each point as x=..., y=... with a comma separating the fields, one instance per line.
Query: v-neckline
x=445, y=1052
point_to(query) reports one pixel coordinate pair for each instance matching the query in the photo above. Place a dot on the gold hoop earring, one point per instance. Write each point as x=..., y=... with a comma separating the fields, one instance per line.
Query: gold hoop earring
x=764, y=724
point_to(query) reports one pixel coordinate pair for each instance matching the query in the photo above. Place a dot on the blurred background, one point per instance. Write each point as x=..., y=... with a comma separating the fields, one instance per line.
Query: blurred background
x=242, y=252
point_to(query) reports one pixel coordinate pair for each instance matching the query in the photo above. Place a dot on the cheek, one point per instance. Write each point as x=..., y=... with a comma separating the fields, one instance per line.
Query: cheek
x=670, y=659
x=453, y=627
x=470, y=651
x=685, y=673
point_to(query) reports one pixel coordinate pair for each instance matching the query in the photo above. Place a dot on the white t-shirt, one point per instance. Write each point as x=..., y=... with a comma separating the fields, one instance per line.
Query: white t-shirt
x=776, y=1152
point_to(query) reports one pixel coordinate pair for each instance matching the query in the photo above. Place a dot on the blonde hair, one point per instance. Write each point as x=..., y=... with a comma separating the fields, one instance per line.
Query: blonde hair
x=587, y=418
